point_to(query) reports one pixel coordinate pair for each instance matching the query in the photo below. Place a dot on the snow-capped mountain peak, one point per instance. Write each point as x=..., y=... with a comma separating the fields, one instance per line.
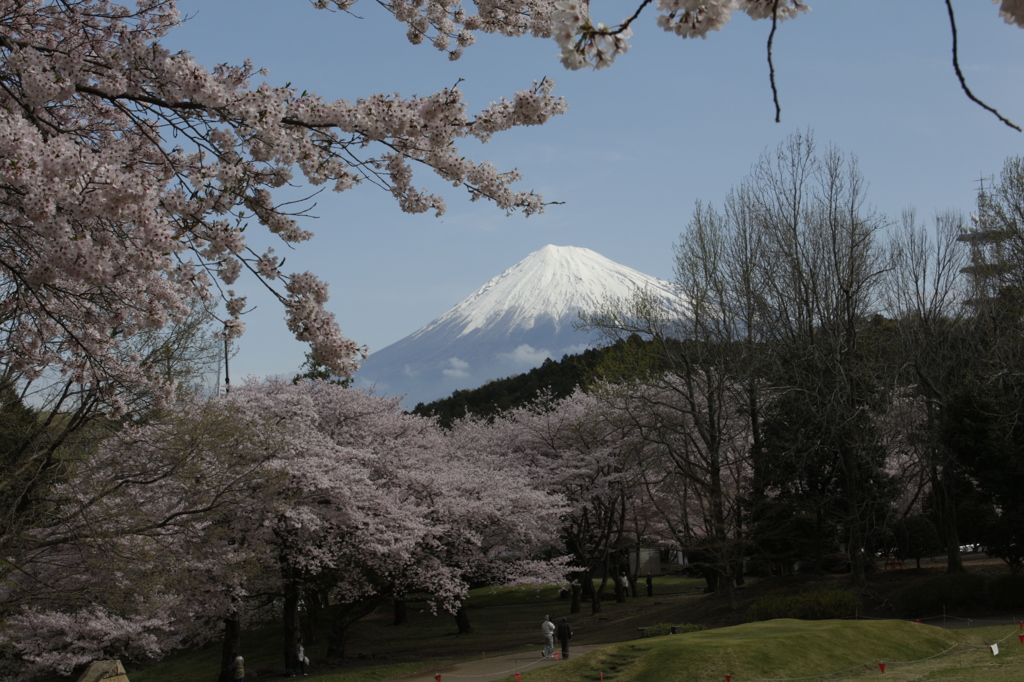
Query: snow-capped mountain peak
x=508, y=326
x=555, y=283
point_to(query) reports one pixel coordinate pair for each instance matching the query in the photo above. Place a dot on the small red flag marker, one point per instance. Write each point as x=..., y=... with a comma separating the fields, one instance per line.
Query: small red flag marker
x=728, y=678
x=438, y=677
x=881, y=666
x=556, y=656
x=1021, y=638
x=519, y=676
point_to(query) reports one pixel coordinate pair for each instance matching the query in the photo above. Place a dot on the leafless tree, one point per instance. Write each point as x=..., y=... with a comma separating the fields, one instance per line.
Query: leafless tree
x=927, y=297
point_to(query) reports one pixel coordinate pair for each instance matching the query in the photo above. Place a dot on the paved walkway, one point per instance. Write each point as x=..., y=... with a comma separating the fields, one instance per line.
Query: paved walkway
x=490, y=668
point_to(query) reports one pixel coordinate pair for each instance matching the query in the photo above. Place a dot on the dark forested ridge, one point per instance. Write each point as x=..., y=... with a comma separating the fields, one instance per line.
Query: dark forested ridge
x=555, y=378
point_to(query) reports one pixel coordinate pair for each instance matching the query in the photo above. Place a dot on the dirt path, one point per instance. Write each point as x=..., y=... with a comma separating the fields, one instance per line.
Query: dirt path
x=490, y=668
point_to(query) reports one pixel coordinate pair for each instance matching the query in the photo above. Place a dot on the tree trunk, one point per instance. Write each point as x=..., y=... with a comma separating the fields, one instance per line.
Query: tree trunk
x=737, y=566
x=336, y=643
x=616, y=574
x=854, y=518
x=947, y=510
x=462, y=620
x=401, y=612
x=586, y=586
x=230, y=649
x=344, y=615
x=595, y=595
x=316, y=602
x=726, y=582
x=574, y=604
x=711, y=577
x=819, y=541
x=291, y=620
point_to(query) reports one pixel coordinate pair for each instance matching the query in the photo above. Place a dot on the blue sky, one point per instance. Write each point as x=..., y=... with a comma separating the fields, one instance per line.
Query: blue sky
x=669, y=123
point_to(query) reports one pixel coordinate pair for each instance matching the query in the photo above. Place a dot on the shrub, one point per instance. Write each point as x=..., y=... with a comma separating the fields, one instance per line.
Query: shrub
x=928, y=596
x=813, y=605
x=661, y=629
x=838, y=562
x=1007, y=591
x=658, y=630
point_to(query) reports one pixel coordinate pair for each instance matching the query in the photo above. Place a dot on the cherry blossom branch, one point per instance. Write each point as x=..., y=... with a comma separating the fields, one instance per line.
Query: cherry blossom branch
x=624, y=26
x=97, y=104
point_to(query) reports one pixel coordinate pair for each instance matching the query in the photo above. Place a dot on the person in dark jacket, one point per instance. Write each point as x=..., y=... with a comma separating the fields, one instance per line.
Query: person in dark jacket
x=564, y=634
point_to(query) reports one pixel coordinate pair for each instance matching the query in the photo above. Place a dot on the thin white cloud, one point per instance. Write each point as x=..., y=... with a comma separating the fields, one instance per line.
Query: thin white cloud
x=526, y=355
x=457, y=370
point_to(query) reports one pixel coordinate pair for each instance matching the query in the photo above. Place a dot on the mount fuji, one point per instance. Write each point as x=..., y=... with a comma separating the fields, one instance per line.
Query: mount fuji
x=510, y=325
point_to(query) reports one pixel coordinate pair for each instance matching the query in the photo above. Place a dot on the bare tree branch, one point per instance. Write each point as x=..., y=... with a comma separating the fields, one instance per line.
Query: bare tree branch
x=771, y=64
x=960, y=75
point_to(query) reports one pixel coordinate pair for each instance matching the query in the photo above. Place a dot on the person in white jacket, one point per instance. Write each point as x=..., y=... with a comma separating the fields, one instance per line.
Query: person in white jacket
x=547, y=628
x=300, y=658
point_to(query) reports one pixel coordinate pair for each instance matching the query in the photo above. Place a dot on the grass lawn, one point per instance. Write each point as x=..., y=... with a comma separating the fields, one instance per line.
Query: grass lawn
x=504, y=619
x=507, y=620
x=792, y=649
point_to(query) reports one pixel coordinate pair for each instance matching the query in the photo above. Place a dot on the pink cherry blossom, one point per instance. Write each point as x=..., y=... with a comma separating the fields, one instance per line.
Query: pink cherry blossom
x=130, y=173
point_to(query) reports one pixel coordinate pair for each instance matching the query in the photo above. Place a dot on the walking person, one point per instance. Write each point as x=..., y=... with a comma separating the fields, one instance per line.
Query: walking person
x=547, y=628
x=300, y=658
x=564, y=635
x=238, y=669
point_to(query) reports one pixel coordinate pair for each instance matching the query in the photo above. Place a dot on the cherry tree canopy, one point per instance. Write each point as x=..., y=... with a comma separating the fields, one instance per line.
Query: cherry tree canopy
x=221, y=508
x=585, y=41
x=130, y=173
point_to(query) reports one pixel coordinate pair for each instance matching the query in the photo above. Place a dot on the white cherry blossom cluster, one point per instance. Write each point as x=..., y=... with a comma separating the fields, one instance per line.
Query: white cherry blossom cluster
x=444, y=23
x=129, y=175
x=1012, y=11
x=52, y=641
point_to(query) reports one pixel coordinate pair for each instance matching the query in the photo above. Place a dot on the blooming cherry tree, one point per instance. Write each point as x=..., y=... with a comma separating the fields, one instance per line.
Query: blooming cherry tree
x=576, y=448
x=129, y=174
x=441, y=513
x=156, y=540
x=220, y=512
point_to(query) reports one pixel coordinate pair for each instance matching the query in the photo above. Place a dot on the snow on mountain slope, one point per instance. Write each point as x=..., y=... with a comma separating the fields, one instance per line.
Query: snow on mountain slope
x=510, y=325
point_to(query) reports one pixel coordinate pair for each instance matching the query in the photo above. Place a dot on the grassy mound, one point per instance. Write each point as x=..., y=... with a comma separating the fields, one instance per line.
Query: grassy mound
x=786, y=649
